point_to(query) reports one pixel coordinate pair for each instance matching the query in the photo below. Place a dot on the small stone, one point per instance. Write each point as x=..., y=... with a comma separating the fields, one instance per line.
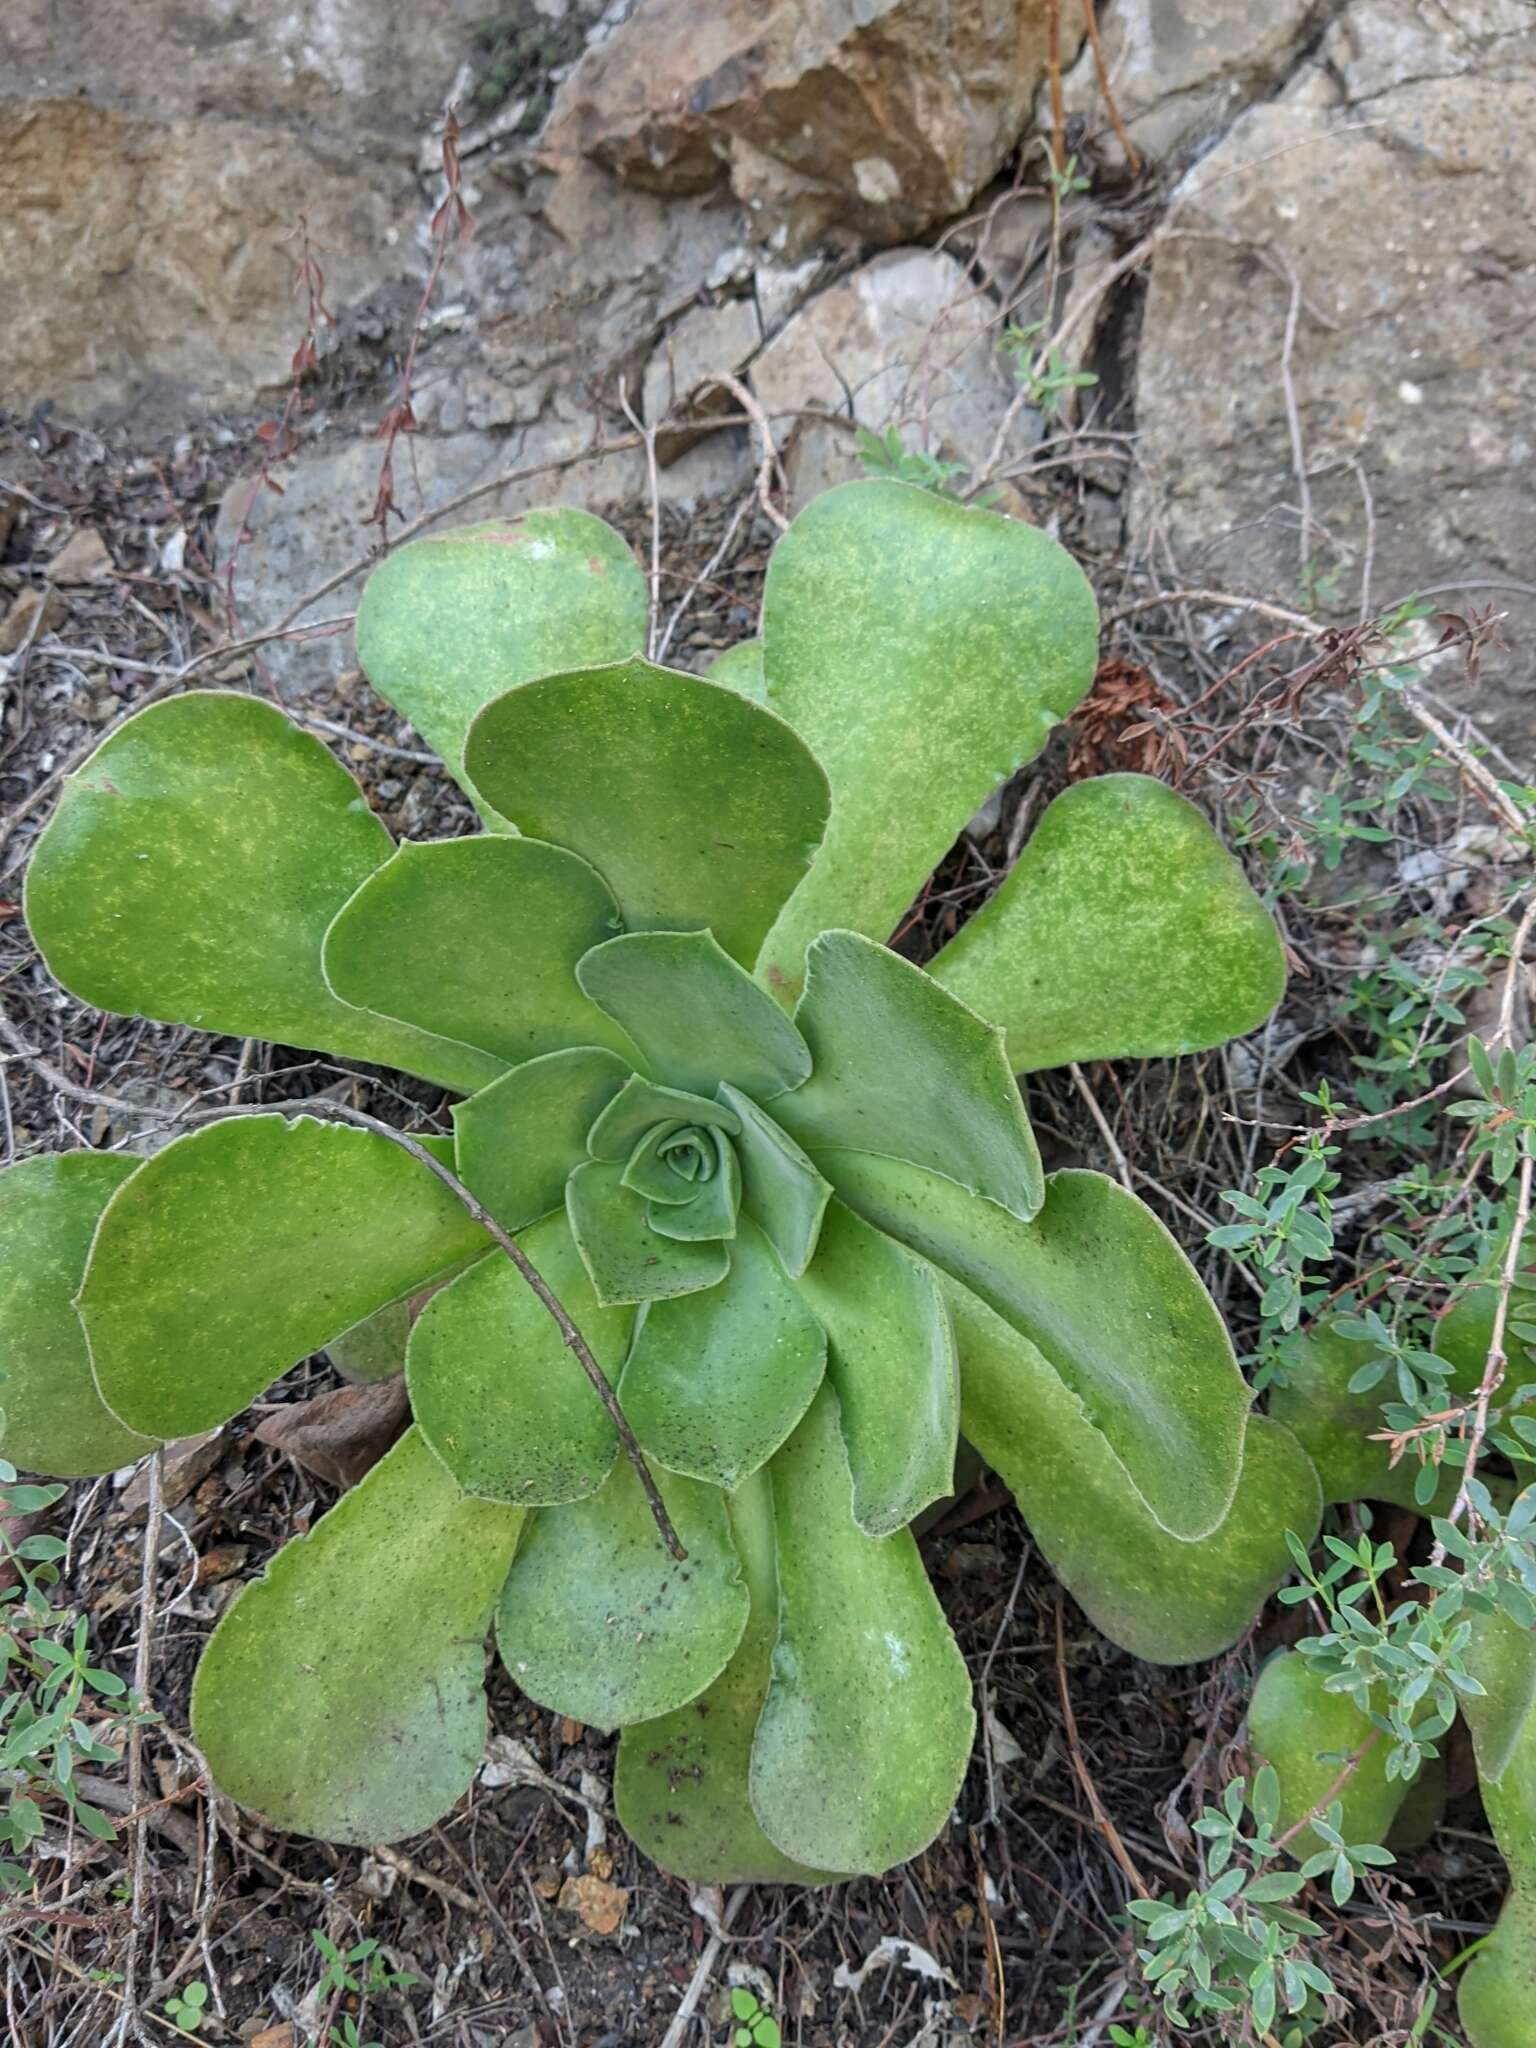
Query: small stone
x=82, y=559
x=16, y=627
x=600, y=1906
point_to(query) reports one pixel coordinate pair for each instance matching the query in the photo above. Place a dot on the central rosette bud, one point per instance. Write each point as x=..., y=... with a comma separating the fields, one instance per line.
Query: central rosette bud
x=678, y=1154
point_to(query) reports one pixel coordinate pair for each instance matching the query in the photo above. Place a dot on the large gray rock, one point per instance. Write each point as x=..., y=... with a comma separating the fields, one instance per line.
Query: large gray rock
x=908, y=341
x=1406, y=213
x=347, y=68
x=874, y=118
x=1180, y=69
x=155, y=160
x=152, y=256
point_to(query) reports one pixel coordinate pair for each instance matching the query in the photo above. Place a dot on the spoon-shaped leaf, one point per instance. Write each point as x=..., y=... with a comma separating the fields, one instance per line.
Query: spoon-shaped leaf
x=494, y=1388
x=627, y=1255
x=866, y=1730
x=680, y=1782
x=478, y=939
x=518, y=1140
x=1501, y=1656
x=1337, y=1428
x=191, y=870
x=448, y=622
x=599, y=1621
x=697, y=1017
x=717, y=1380
x=1104, y=1291
x=903, y=1069
x=1169, y=1601
x=1304, y=1732
x=891, y=1362
x=243, y=1247
x=923, y=650
x=740, y=668
x=374, y=1349
x=54, y=1420
x=1126, y=930
x=1464, y=1334
x=780, y=1189
x=1498, y=1992
x=700, y=809
x=343, y=1694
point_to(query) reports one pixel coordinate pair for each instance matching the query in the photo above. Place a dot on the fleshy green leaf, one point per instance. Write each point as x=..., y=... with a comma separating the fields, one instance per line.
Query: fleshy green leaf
x=1303, y=1731
x=711, y=1211
x=627, y=1258
x=697, y=1017
x=1502, y=1658
x=478, y=939
x=374, y=1349
x=1104, y=1291
x=780, y=1189
x=866, y=1730
x=923, y=650
x=640, y=1106
x=1334, y=1427
x=903, y=1069
x=191, y=870
x=54, y=1419
x=649, y=1172
x=598, y=1620
x=1126, y=930
x=717, y=1380
x=740, y=668
x=1464, y=1336
x=700, y=809
x=495, y=1390
x=449, y=621
x=243, y=1247
x=1498, y=1991
x=680, y=1783
x=343, y=1694
x=519, y=1139
x=891, y=1362
x=1168, y=1601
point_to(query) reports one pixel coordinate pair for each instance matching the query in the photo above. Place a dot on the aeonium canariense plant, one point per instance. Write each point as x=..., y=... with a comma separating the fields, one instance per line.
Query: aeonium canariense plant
x=781, y=1180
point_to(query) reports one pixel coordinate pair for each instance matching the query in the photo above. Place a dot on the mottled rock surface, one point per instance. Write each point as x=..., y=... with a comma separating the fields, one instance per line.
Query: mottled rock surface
x=1391, y=188
x=873, y=118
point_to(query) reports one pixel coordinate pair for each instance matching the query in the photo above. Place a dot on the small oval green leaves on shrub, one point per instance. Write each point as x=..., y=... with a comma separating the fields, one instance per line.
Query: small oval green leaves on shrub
x=783, y=1180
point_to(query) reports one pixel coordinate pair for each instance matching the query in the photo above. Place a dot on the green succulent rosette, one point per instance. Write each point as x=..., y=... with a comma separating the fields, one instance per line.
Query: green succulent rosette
x=782, y=1180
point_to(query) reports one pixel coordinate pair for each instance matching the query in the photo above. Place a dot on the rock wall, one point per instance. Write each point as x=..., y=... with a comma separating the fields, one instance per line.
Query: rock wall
x=153, y=157
x=1327, y=355
x=1388, y=195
